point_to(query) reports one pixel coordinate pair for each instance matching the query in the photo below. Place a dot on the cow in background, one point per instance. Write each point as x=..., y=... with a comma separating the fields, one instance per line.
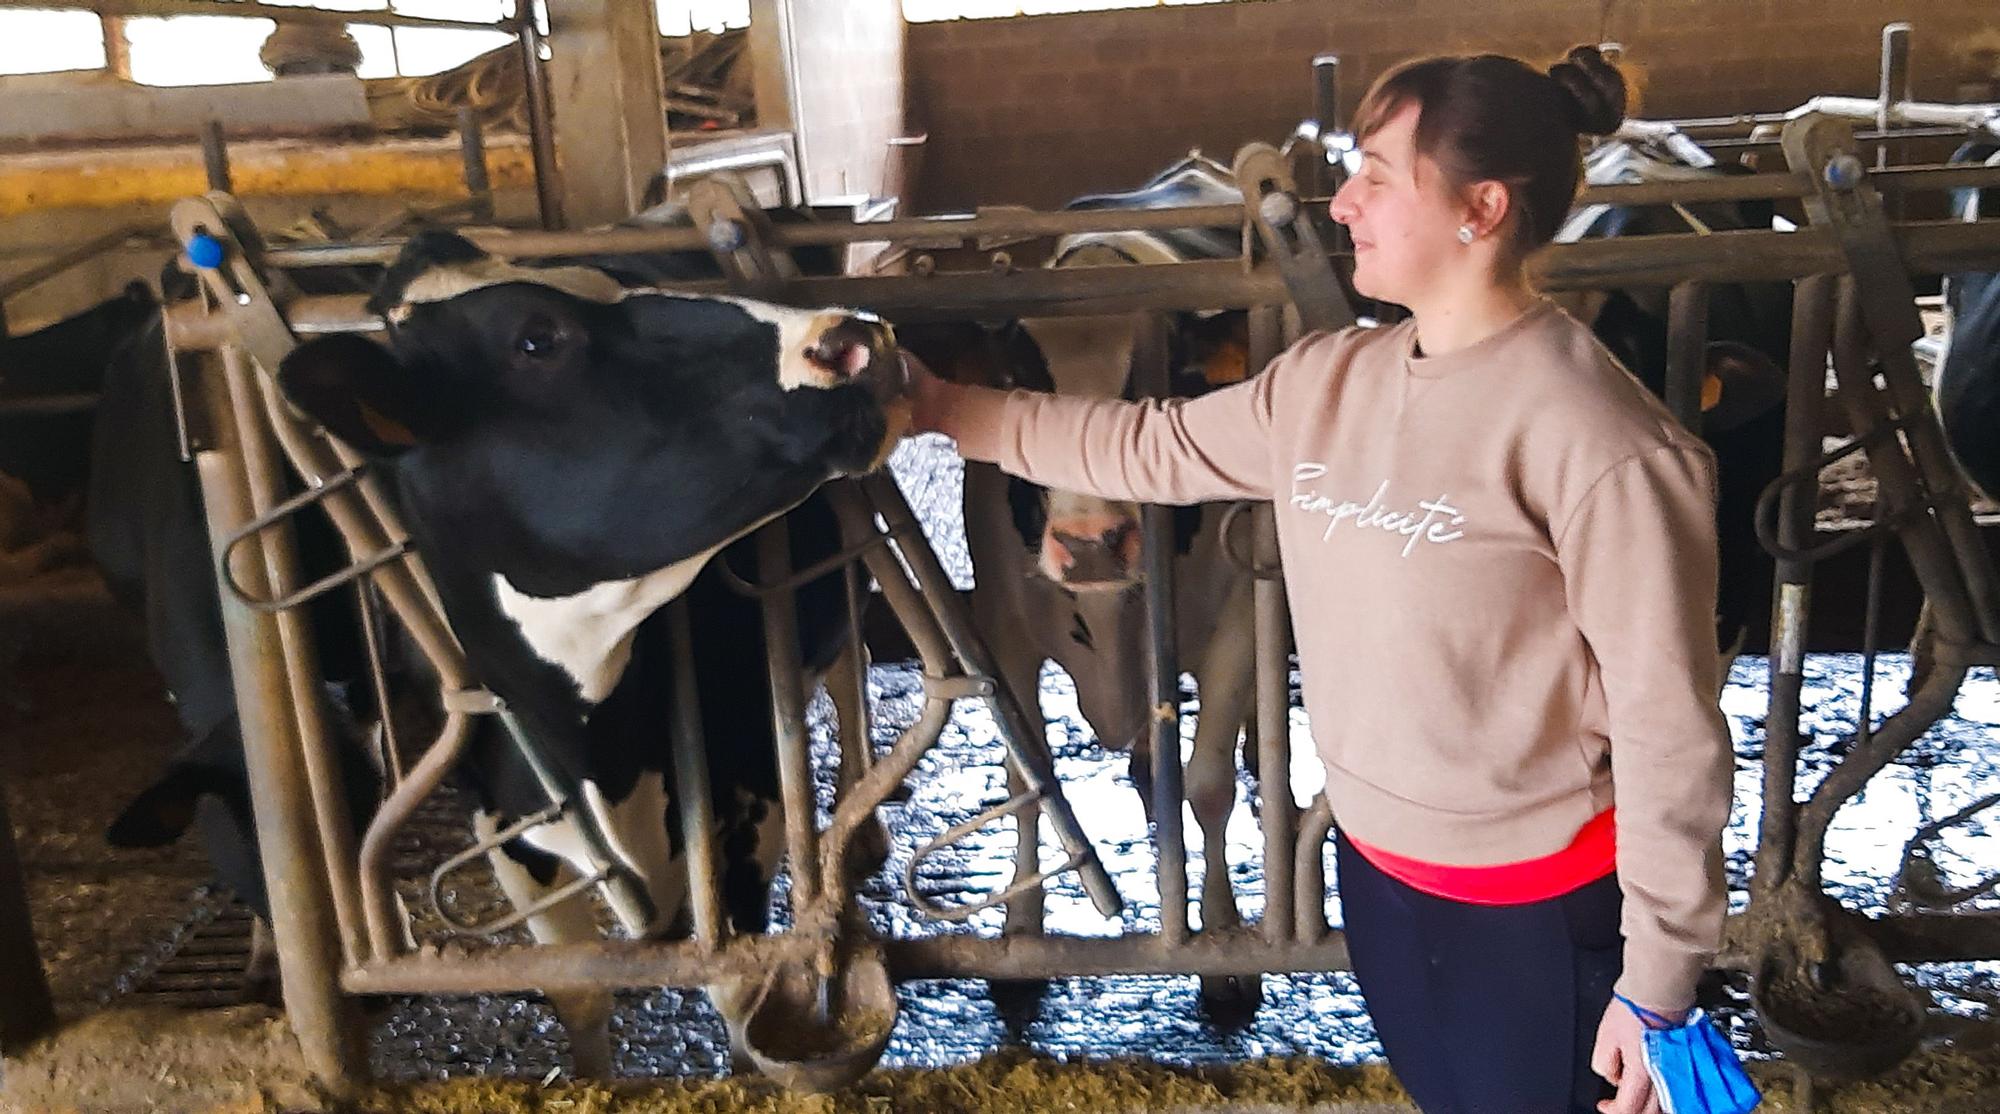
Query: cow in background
x=1749, y=328
x=1057, y=574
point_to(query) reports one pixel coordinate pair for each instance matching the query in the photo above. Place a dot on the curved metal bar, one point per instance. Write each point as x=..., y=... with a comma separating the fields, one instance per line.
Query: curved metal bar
x=943, y=912
x=478, y=851
x=1309, y=872
x=1918, y=877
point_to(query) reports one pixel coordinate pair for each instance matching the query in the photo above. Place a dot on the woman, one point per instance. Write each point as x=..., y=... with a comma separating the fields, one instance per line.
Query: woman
x=1500, y=552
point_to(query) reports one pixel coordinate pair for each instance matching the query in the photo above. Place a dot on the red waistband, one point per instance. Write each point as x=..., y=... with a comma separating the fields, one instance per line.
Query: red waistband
x=1589, y=857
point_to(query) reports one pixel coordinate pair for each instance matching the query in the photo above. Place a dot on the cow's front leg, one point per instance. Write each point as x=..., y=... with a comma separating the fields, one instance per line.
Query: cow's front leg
x=586, y=1014
x=1226, y=673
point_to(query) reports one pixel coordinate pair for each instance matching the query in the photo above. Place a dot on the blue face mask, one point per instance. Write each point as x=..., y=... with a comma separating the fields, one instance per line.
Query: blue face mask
x=1694, y=1071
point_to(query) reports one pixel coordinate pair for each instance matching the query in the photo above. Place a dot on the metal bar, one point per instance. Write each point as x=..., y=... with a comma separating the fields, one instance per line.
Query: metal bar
x=368, y=611
x=1027, y=746
x=215, y=156
x=1279, y=814
x=1326, y=114
x=628, y=963
x=1687, y=347
x=47, y=404
x=1805, y=397
x=264, y=470
x=1272, y=726
x=472, y=156
x=1895, y=86
x=1926, y=247
x=788, y=714
x=377, y=893
x=82, y=253
x=302, y=918
x=691, y=786
x=953, y=228
x=1309, y=868
x=541, y=128
x=1150, y=378
x=27, y=1011
x=249, y=10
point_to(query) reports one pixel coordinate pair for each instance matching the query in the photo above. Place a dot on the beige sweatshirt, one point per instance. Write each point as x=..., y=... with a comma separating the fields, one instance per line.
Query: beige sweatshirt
x=1502, y=571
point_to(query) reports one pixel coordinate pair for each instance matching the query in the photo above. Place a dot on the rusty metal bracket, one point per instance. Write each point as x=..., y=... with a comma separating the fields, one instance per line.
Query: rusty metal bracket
x=739, y=234
x=393, y=552
x=1843, y=200
x=1920, y=885
x=1271, y=206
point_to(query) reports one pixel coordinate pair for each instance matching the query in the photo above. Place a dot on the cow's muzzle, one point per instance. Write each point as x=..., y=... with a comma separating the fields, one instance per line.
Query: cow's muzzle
x=1094, y=554
x=859, y=348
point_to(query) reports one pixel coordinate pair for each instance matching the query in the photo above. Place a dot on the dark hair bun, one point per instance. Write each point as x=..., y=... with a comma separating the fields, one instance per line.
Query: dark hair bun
x=1596, y=90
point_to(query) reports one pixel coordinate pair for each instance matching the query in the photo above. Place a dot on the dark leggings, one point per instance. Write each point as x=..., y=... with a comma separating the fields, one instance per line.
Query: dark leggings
x=1484, y=1009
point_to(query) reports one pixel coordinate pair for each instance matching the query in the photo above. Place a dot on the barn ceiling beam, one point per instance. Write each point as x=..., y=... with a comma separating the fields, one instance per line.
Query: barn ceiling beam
x=249, y=9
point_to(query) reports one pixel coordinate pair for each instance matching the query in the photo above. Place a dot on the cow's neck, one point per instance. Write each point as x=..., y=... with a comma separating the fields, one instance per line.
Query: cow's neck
x=588, y=634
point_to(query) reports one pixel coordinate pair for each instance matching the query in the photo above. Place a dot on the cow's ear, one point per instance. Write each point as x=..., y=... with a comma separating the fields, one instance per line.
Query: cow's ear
x=1739, y=384
x=357, y=390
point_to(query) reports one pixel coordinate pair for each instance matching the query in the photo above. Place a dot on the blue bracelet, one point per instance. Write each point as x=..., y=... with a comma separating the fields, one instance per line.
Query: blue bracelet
x=1652, y=1020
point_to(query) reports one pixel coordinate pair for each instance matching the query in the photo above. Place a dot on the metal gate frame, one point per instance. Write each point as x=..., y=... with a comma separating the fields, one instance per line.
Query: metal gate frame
x=332, y=913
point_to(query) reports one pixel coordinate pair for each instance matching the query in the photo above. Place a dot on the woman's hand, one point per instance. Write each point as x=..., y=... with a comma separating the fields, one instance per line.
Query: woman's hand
x=930, y=397
x=1620, y=1056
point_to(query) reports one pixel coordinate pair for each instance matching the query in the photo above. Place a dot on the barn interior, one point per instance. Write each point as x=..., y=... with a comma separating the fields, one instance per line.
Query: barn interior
x=227, y=166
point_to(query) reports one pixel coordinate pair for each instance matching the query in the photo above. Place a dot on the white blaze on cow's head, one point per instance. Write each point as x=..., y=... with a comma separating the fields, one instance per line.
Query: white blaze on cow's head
x=579, y=446
x=1088, y=543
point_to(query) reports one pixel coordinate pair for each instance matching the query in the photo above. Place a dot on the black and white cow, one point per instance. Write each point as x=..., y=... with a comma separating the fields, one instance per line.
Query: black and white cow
x=571, y=450
x=1749, y=328
x=1057, y=574
x=49, y=452
x=1968, y=379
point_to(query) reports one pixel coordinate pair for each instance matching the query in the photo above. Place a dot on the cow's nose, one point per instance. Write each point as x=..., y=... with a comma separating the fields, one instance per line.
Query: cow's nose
x=860, y=347
x=1108, y=559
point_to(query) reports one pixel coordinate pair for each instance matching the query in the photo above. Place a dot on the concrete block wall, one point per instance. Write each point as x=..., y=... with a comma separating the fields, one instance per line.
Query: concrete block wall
x=1037, y=109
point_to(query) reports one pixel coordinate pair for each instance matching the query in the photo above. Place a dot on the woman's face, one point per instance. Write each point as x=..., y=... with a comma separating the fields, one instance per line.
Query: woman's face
x=1403, y=218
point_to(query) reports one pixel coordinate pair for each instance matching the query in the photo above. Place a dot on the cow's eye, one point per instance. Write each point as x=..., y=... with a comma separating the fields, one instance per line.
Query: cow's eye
x=537, y=339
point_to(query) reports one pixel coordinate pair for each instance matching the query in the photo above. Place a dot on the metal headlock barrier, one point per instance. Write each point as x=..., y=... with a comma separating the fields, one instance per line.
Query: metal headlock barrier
x=340, y=931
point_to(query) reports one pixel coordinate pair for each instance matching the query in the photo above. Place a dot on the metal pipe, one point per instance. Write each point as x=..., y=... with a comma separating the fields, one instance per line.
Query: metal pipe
x=1027, y=745
x=1903, y=485
x=1894, y=89
x=215, y=156
x=302, y=918
x=1271, y=623
x=1279, y=813
x=377, y=892
x=250, y=10
x=1970, y=117
x=46, y=404
x=630, y=963
x=264, y=473
x=1326, y=115
x=472, y=157
x=1309, y=868
x=541, y=128
x=81, y=253
x=1927, y=247
x=691, y=786
x=788, y=714
x=1687, y=350
x=1805, y=397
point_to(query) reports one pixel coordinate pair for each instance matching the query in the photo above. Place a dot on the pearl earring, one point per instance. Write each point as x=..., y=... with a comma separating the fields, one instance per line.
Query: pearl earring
x=1465, y=234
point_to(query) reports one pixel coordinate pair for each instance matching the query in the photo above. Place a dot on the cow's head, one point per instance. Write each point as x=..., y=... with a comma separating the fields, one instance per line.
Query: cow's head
x=581, y=446
x=1082, y=542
